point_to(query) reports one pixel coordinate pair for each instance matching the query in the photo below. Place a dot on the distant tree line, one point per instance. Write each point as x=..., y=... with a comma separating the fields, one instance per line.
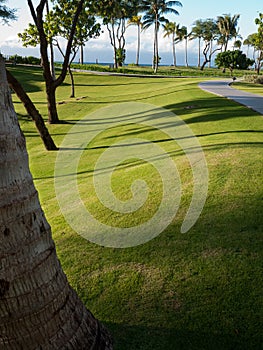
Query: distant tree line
x=73, y=23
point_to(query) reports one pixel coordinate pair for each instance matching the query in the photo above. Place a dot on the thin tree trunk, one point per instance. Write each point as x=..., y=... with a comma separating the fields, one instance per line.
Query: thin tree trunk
x=156, y=63
x=199, y=52
x=72, y=83
x=52, y=59
x=52, y=67
x=138, y=45
x=32, y=111
x=174, y=54
x=211, y=48
x=186, y=53
x=38, y=308
x=81, y=55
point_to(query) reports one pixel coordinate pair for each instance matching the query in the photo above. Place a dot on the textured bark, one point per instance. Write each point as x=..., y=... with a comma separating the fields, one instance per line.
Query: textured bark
x=32, y=111
x=38, y=308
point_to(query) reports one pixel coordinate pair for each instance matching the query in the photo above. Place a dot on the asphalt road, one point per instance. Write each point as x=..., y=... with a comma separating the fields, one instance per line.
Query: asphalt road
x=222, y=88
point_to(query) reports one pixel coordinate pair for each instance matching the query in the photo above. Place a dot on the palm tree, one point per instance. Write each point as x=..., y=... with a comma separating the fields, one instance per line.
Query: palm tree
x=171, y=29
x=248, y=43
x=38, y=308
x=196, y=33
x=251, y=41
x=227, y=27
x=182, y=35
x=185, y=35
x=154, y=10
x=237, y=44
x=137, y=20
x=148, y=21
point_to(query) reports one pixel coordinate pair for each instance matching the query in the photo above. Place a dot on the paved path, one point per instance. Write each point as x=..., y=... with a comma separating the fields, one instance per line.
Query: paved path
x=222, y=88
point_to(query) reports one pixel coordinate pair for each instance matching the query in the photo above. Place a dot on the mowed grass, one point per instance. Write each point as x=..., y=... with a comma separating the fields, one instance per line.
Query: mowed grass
x=249, y=87
x=196, y=290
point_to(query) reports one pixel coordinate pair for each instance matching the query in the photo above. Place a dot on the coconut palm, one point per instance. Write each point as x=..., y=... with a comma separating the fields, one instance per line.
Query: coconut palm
x=237, y=44
x=227, y=27
x=171, y=29
x=137, y=21
x=155, y=10
x=183, y=35
x=196, y=33
x=38, y=308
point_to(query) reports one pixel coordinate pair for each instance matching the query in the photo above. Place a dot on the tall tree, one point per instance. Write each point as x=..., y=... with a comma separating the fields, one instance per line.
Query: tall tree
x=137, y=21
x=251, y=40
x=51, y=84
x=184, y=34
x=227, y=26
x=59, y=24
x=114, y=15
x=171, y=29
x=196, y=33
x=156, y=9
x=38, y=308
x=148, y=21
x=210, y=32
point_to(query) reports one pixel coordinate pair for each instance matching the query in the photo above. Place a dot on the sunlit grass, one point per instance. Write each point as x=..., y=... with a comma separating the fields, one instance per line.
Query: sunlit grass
x=249, y=87
x=198, y=290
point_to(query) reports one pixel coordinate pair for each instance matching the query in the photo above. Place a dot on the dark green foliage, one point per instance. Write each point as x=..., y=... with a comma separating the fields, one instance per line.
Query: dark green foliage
x=25, y=60
x=233, y=60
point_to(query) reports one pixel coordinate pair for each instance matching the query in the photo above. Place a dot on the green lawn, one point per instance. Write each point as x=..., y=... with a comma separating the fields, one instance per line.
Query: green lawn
x=196, y=290
x=249, y=87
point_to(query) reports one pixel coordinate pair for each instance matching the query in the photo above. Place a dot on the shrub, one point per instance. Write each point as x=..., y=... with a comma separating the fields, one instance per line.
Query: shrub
x=256, y=79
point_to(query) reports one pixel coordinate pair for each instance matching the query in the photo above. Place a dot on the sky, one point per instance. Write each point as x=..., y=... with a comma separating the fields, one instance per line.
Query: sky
x=100, y=49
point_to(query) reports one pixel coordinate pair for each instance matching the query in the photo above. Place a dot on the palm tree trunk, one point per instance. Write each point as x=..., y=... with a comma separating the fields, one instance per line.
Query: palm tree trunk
x=156, y=63
x=186, y=53
x=38, y=308
x=174, y=54
x=138, y=45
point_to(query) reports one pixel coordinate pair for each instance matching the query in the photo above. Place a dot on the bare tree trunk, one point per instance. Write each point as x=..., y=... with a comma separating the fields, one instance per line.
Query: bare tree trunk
x=138, y=44
x=199, y=53
x=156, y=63
x=52, y=67
x=186, y=52
x=81, y=54
x=174, y=53
x=38, y=308
x=72, y=83
x=32, y=111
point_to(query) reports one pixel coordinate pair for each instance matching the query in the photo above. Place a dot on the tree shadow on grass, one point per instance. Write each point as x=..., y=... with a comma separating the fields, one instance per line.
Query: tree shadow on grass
x=149, y=338
x=210, y=110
